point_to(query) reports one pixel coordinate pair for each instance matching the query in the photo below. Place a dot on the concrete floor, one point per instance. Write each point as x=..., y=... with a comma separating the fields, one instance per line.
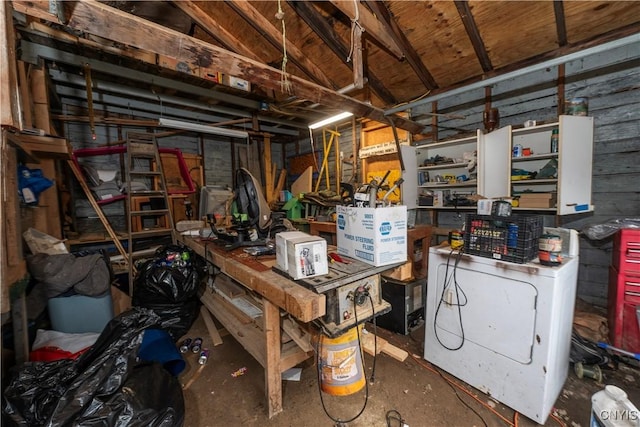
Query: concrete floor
x=414, y=388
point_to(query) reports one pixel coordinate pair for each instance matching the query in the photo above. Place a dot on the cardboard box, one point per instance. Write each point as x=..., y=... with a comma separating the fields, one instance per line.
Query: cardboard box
x=236, y=82
x=537, y=200
x=213, y=76
x=301, y=255
x=376, y=236
x=401, y=273
x=281, y=247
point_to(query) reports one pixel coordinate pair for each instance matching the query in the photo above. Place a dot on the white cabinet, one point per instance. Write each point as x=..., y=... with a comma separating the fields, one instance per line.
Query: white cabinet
x=565, y=174
x=409, y=192
x=445, y=174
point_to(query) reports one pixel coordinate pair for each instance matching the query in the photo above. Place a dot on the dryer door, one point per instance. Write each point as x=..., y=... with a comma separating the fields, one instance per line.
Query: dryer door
x=497, y=311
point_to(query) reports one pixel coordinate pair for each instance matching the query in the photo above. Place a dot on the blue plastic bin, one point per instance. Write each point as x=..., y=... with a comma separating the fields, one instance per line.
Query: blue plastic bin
x=79, y=313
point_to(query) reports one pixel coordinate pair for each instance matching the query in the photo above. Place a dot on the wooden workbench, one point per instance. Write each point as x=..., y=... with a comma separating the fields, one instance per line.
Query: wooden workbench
x=278, y=292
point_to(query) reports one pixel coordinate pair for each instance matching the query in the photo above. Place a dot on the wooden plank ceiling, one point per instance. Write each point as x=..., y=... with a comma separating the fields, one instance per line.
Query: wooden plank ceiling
x=408, y=48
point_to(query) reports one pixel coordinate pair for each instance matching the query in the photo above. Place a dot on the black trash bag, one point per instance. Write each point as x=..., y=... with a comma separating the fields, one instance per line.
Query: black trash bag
x=171, y=276
x=177, y=319
x=62, y=392
x=168, y=284
x=153, y=398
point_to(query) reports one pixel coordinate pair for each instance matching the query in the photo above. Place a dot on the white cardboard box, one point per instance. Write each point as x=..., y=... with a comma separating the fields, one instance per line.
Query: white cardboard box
x=377, y=236
x=236, y=82
x=301, y=255
x=281, y=247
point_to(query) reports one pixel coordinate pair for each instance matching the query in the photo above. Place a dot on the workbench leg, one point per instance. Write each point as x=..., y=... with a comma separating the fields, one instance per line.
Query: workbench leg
x=273, y=376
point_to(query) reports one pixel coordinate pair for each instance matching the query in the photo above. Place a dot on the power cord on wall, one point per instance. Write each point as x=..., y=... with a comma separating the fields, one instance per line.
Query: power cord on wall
x=459, y=293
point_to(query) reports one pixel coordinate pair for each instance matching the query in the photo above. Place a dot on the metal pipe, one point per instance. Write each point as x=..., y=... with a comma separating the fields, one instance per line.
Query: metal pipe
x=348, y=88
x=635, y=38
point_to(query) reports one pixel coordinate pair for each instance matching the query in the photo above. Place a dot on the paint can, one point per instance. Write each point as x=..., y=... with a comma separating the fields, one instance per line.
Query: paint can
x=517, y=150
x=456, y=239
x=341, y=370
x=550, y=250
x=577, y=106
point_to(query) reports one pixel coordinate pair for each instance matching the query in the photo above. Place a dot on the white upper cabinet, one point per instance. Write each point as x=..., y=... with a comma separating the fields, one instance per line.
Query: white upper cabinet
x=552, y=176
x=494, y=164
x=575, y=164
x=537, y=169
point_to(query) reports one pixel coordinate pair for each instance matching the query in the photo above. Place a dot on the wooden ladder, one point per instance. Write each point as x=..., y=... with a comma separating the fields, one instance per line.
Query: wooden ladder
x=144, y=166
x=105, y=222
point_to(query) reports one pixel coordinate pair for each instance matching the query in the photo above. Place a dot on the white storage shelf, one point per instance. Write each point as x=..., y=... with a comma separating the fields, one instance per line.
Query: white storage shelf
x=459, y=152
x=495, y=162
x=444, y=185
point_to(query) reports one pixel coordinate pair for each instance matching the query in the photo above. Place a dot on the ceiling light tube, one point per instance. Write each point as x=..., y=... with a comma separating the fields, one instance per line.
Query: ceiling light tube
x=196, y=127
x=330, y=120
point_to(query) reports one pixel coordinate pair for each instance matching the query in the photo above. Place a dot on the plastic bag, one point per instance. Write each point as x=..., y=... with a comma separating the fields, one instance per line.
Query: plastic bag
x=176, y=319
x=609, y=228
x=168, y=284
x=171, y=276
x=31, y=182
x=94, y=389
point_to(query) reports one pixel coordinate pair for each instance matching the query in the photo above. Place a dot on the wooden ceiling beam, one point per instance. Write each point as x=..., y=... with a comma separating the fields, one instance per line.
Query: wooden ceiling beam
x=37, y=9
x=371, y=24
x=274, y=36
x=97, y=18
x=215, y=30
x=321, y=27
x=561, y=27
x=379, y=8
x=474, y=35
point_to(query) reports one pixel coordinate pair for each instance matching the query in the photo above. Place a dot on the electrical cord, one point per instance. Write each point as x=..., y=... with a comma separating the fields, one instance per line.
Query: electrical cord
x=393, y=415
x=463, y=402
x=459, y=292
x=375, y=340
x=338, y=421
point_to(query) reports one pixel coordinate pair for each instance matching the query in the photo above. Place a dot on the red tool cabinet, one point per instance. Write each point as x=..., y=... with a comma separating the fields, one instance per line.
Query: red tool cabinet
x=624, y=291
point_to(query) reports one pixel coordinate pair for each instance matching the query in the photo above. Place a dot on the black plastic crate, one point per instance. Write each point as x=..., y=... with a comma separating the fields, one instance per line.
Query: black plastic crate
x=513, y=238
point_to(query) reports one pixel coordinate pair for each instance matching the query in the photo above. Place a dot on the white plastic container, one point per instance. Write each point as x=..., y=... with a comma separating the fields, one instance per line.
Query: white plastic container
x=611, y=408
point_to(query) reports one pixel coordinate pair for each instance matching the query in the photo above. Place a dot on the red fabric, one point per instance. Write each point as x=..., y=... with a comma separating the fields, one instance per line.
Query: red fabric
x=49, y=354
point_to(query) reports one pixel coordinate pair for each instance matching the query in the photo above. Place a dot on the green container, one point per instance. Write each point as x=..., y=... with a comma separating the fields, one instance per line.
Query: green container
x=293, y=208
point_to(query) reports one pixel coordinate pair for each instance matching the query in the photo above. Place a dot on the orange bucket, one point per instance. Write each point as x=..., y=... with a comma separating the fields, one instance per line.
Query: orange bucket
x=342, y=372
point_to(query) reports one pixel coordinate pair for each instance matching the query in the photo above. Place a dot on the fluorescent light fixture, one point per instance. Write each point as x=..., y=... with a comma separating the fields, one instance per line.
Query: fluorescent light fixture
x=196, y=127
x=330, y=120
